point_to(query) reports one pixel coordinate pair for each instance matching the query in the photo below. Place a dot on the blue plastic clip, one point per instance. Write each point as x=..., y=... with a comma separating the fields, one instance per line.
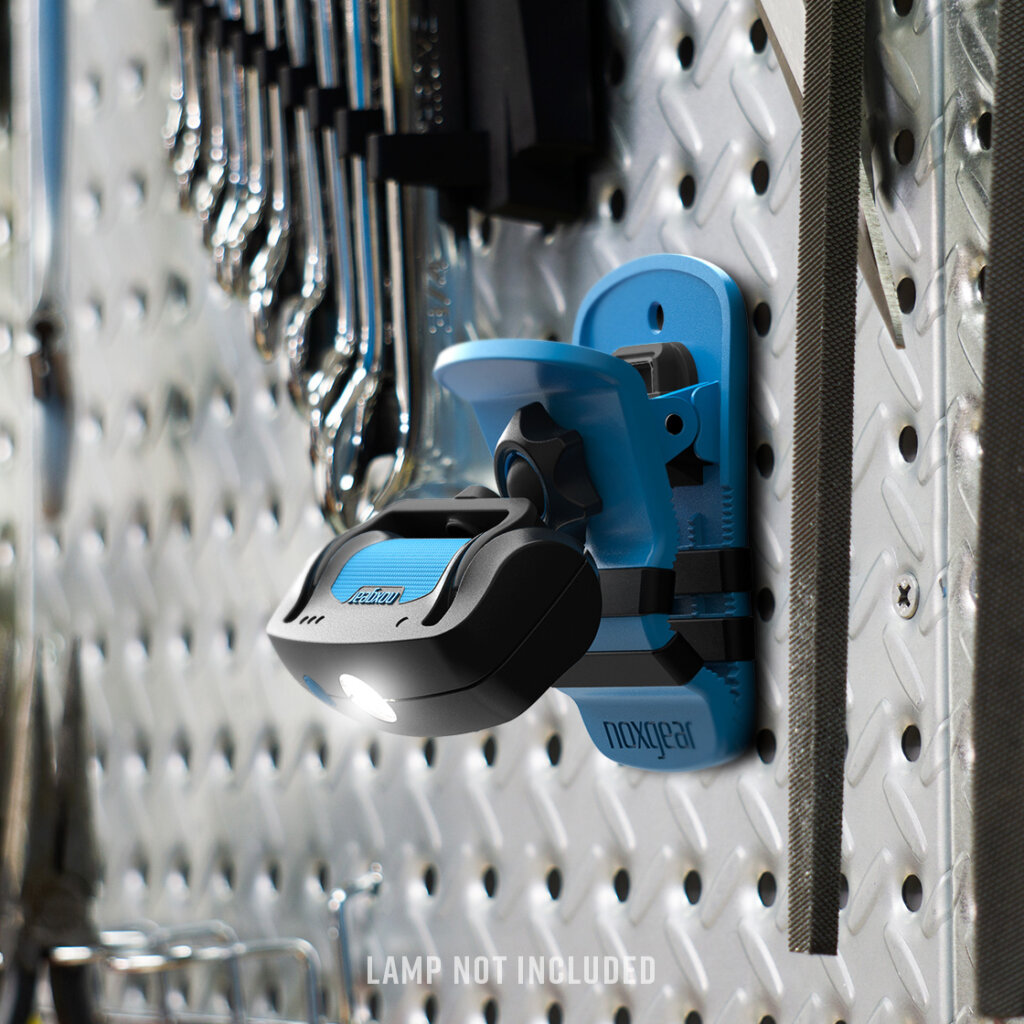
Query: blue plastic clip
x=673, y=688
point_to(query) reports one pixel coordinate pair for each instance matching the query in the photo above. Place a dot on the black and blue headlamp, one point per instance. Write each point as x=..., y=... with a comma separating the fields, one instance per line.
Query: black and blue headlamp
x=612, y=565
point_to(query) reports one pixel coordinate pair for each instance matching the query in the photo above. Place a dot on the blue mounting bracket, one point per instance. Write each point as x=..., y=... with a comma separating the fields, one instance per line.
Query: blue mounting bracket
x=668, y=682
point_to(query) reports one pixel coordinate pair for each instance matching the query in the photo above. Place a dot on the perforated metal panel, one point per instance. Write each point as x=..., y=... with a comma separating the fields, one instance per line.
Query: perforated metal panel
x=225, y=791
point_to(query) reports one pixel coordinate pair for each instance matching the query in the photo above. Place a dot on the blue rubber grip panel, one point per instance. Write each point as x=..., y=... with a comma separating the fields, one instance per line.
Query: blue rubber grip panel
x=414, y=564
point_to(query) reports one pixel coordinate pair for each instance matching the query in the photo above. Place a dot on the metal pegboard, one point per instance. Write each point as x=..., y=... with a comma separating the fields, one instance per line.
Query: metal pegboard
x=225, y=791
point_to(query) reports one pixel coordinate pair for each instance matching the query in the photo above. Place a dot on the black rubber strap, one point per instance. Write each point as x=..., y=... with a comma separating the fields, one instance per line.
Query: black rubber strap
x=672, y=665
x=999, y=642
x=822, y=465
x=714, y=571
x=626, y=592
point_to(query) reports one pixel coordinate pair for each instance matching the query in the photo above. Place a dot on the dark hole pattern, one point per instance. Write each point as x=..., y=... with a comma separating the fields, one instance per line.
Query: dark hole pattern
x=622, y=1016
x=373, y=752
x=685, y=52
x=429, y=752
x=844, y=891
x=554, y=748
x=490, y=881
x=490, y=750
x=491, y=1011
x=911, y=742
x=693, y=1017
x=430, y=879
x=906, y=295
x=903, y=146
x=762, y=318
x=766, y=888
x=692, y=886
x=554, y=881
x=430, y=1009
x=674, y=423
x=765, y=604
x=758, y=36
x=913, y=893
x=617, y=204
x=908, y=444
x=555, y=1015
x=766, y=746
x=903, y=7
x=621, y=885
x=984, y=129
x=981, y=282
x=687, y=190
x=764, y=459
x=760, y=177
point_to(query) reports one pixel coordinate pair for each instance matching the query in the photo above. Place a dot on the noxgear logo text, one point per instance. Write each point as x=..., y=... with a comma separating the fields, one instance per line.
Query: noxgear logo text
x=650, y=735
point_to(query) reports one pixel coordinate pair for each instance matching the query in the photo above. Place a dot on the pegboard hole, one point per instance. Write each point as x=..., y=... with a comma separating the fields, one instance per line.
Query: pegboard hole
x=903, y=146
x=913, y=893
x=430, y=1009
x=323, y=876
x=765, y=604
x=692, y=886
x=906, y=295
x=762, y=318
x=984, y=130
x=656, y=317
x=765, y=743
x=373, y=1005
x=685, y=52
x=272, y=994
x=273, y=873
x=273, y=750
x=844, y=891
x=617, y=204
x=554, y=748
x=903, y=7
x=430, y=879
x=758, y=36
x=759, y=177
x=687, y=190
x=429, y=752
x=616, y=68
x=622, y=1016
x=486, y=231
x=908, y=444
x=766, y=888
x=226, y=749
x=911, y=743
x=621, y=885
x=323, y=753
x=693, y=1017
x=554, y=882
x=767, y=1019
x=183, y=748
x=674, y=423
x=227, y=874
x=491, y=1011
x=143, y=751
x=373, y=753
x=490, y=751
x=981, y=282
x=490, y=882
x=555, y=1015
x=764, y=459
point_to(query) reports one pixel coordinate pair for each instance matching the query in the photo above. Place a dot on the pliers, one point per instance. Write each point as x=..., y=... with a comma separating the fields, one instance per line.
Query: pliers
x=50, y=866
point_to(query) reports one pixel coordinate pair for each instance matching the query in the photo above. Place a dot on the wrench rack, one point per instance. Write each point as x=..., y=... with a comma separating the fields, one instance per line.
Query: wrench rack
x=225, y=793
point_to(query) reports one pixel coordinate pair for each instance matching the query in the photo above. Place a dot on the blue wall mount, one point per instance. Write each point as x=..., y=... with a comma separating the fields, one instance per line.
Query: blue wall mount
x=642, y=705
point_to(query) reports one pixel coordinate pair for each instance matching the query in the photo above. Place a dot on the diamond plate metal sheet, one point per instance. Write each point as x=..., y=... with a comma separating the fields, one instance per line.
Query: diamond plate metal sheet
x=224, y=791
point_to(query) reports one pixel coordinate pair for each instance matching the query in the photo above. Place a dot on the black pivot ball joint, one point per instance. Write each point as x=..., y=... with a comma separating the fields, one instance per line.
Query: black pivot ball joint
x=537, y=459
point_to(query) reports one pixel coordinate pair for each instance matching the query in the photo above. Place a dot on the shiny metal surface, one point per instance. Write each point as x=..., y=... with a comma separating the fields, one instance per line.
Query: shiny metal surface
x=226, y=792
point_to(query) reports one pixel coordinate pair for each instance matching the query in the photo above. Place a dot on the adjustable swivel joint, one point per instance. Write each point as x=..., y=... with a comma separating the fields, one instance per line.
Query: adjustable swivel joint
x=613, y=565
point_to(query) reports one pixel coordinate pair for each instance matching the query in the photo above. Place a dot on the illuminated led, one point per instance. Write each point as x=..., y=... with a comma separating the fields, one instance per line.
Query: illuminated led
x=366, y=697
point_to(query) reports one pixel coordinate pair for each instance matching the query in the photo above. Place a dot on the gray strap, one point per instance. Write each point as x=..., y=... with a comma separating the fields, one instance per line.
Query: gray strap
x=822, y=465
x=999, y=643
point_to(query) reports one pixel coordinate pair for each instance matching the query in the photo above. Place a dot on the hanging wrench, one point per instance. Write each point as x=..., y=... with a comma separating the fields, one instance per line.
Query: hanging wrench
x=187, y=142
x=208, y=186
